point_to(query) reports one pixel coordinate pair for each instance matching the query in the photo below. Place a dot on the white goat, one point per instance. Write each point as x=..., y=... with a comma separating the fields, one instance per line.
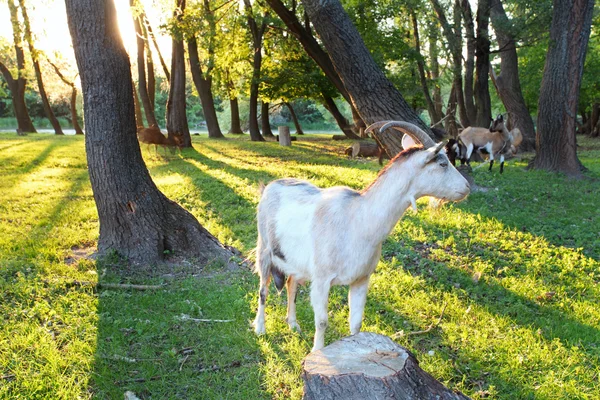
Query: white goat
x=333, y=236
x=496, y=141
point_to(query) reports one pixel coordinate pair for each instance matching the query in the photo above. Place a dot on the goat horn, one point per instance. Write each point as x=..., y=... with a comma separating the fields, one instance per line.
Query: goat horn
x=376, y=125
x=410, y=129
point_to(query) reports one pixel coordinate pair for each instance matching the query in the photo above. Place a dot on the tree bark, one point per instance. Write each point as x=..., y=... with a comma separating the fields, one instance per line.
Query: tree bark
x=342, y=122
x=284, y=136
x=139, y=118
x=264, y=120
x=38, y=71
x=17, y=86
x=483, y=103
x=234, y=110
x=372, y=94
x=470, y=61
x=203, y=83
x=433, y=115
x=177, y=124
x=559, y=94
x=136, y=220
x=507, y=83
x=369, y=366
x=299, y=130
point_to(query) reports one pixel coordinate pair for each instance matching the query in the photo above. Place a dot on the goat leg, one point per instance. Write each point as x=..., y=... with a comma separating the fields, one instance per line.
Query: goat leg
x=292, y=292
x=357, y=299
x=491, y=164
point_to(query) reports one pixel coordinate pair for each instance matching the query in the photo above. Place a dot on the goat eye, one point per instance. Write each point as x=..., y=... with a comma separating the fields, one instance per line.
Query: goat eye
x=444, y=164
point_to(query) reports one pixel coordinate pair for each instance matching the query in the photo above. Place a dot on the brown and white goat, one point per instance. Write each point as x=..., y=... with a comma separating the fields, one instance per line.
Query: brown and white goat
x=495, y=141
x=333, y=236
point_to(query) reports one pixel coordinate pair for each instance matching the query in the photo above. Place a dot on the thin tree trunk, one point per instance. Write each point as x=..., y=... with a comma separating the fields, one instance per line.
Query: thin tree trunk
x=470, y=61
x=559, y=93
x=450, y=122
x=136, y=220
x=257, y=36
x=507, y=83
x=141, y=68
x=177, y=124
x=299, y=130
x=139, y=118
x=264, y=120
x=17, y=86
x=160, y=57
x=435, y=73
x=342, y=122
x=203, y=83
x=594, y=119
x=373, y=95
x=74, y=117
x=454, y=39
x=38, y=72
x=433, y=115
x=483, y=103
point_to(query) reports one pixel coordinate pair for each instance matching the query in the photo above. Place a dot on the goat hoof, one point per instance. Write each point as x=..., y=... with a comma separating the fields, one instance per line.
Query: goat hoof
x=259, y=328
x=294, y=327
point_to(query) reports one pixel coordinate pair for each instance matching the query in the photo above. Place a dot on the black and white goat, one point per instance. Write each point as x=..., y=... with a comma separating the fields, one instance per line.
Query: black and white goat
x=333, y=236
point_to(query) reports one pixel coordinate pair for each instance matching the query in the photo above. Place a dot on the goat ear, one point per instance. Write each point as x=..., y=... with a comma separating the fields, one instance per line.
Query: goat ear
x=433, y=151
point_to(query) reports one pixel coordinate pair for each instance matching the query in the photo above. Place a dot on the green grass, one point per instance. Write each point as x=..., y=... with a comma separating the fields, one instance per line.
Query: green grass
x=517, y=268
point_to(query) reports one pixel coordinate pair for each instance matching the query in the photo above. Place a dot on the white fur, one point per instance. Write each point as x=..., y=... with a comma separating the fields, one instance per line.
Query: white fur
x=333, y=236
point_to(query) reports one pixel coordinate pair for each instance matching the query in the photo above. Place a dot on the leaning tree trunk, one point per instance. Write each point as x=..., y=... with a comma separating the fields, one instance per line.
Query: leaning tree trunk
x=74, y=117
x=483, y=103
x=177, y=124
x=203, y=85
x=264, y=120
x=141, y=67
x=342, y=122
x=559, y=94
x=507, y=83
x=369, y=366
x=299, y=130
x=136, y=219
x=38, y=72
x=372, y=94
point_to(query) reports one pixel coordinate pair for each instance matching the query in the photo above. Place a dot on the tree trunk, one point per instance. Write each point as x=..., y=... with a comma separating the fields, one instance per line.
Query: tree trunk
x=38, y=71
x=74, y=117
x=141, y=68
x=470, y=62
x=433, y=115
x=17, y=86
x=203, y=85
x=160, y=57
x=312, y=47
x=342, y=122
x=264, y=120
x=372, y=94
x=234, y=109
x=594, y=120
x=294, y=118
x=284, y=136
x=177, y=124
x=450, y=122
x=435, y=73
x=369, y=366
x=136, y=220
x=483, y=103
x=559, y=93
x=507, y=83
x=454, y=40
x=257, y=36
x=139, y=118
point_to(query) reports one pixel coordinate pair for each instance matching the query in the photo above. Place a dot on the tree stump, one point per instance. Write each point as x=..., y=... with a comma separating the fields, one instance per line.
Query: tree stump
x=284, y=136
x=369, y=366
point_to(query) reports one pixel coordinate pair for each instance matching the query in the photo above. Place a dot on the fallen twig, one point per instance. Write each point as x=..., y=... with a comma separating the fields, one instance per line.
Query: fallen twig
x=138, y=380
x=8, y=377
x=117, y=357
x=428, y=329
x=127, y=286
x=218, y=368
x=183, y=362
x=184, y=317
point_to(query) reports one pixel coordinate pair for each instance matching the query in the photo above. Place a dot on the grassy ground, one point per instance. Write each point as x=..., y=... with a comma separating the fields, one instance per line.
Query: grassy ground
x=516, y=268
